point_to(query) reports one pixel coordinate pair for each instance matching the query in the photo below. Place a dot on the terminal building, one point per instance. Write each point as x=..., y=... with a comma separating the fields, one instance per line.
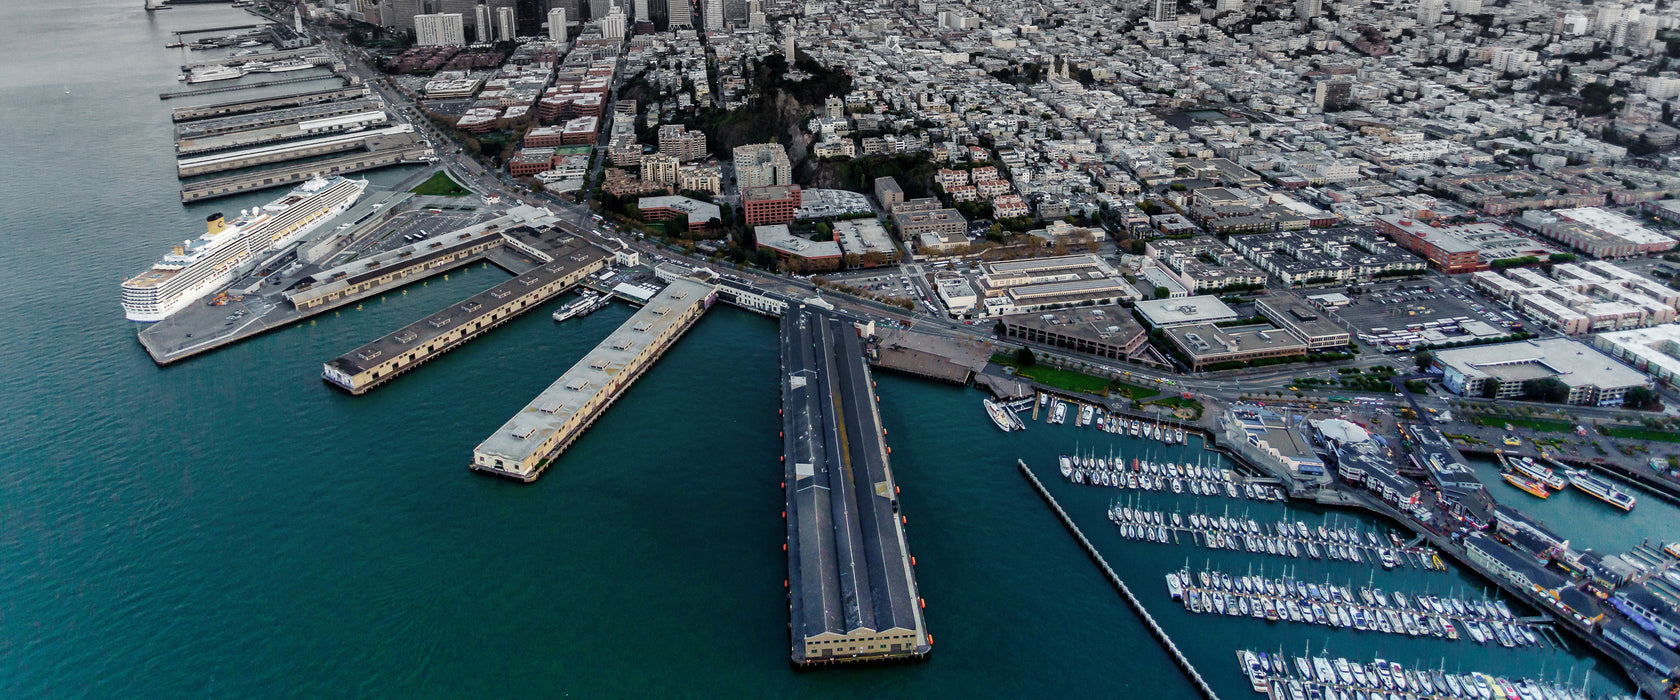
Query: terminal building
x=852, y=593
x=1166, y=313
x=1028, y=286
x=1593, y=378
x=524, y=446
x=1295, y=315
x=1107, y=333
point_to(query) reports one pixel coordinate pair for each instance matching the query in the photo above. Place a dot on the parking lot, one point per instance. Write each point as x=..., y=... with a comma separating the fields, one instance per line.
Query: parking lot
x=1395, y=307
x=885, y=282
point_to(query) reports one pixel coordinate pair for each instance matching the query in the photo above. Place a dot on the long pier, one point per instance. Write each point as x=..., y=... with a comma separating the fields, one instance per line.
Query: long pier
x=852, y=593
x=384, y=359
x=528, y=443
x=282, y=152
x=281, y=133
x=177, y=94
x=261, y=120
x=311, y=52
x=263, y=104
x=1137, y=605
x=380, y=151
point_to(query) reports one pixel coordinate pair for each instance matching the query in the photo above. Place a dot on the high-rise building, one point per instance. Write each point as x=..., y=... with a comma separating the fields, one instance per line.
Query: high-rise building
x=612, y=26
x=682, y=144
x=505, y=30
x=1163, y=10
x=1333, y=94
x=557, y=25
x=1429, y=12
x=762, y=164
x=599, y=8
x=439, y=30
x=482, y=29
x=1228, y=6
x=713, y=16
x=659, y=169
x=529, y=16
x=735, y=11
x=639, y=11
x=1308, y=9
x=679, y=14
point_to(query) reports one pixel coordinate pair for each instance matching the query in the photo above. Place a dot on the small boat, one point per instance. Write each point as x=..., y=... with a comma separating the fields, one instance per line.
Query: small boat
x=1000, y=416
x=1174, y=587
x=1063, y=461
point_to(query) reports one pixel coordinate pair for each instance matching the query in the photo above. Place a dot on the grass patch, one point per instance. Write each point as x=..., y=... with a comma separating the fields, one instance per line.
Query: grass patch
x=1640, y=434
x=1179, y=402
x=1065, y=379
x=440, y=185
x=1541, y=424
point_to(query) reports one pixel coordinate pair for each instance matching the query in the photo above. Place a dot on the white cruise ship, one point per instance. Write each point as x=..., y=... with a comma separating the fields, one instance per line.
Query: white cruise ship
x=200, y=266
x=213, y=73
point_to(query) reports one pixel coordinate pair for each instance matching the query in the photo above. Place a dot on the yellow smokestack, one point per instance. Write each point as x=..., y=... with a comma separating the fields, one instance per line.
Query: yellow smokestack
x=215, y=224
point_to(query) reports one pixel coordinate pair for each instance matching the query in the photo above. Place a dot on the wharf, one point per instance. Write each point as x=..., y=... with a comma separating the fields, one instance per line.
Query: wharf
x=379, y=150
x=278, y=133
x=380, y=361
x=251, y=311
x=534, y=437
x=263, y=104
x=852, y=594
x=178, y=94
x=931, y=357
x=1641, y=478
x=238, y=123
x=310, y=52
x=280, y=153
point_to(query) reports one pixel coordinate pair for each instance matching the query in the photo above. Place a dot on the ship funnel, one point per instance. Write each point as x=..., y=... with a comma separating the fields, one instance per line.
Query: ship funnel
x=214, y=223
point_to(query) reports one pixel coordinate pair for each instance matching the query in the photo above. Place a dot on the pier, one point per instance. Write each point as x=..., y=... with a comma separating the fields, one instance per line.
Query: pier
x=370, y=117
x=852, y=594
x=313, y=53
x=1137, y=605
x=262, y=104
x=380, y=361
x=199, y=92
x=239, y=123
x=249, y=312
x=280, y=153
x=531, y=440
x=378, y=151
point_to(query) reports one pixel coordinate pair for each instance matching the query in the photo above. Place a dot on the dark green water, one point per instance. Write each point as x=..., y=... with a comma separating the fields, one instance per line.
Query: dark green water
x=231, y=527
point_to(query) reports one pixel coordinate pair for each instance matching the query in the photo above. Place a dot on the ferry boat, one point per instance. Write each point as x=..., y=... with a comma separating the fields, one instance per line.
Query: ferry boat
x=200, y=266
x=1535, y=471
x=1602, y=490
x=1673, y=549
x=1534, y=488
x=213, y=73
x=999, y=415
x=587, y=303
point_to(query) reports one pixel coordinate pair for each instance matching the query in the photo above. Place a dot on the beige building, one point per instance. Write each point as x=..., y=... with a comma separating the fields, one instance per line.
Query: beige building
x=659, y=169
x=762, y=165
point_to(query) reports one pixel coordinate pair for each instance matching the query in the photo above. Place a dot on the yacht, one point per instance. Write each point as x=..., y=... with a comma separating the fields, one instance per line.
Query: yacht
x=213, y=73
x=1601, y=490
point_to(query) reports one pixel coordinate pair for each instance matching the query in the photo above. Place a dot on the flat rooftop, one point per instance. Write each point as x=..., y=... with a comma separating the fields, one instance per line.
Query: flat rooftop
x=1573, y=363
x=568, y=257
x=1162, y=313
x=778, y=237
x=849, y=573
x=522, y=435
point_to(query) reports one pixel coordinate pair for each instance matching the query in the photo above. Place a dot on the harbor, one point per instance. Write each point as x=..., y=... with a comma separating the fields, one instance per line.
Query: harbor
x=568, y=261
x=1323, y=678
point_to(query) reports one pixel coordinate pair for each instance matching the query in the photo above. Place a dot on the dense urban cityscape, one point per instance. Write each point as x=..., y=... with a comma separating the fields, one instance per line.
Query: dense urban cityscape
x=1368, y=312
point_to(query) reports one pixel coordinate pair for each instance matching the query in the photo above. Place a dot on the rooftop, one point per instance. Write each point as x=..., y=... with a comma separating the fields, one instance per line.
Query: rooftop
x=1163, y=313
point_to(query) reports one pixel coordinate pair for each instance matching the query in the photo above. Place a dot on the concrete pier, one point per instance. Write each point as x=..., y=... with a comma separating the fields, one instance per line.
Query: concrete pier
x=199, y=92
x=281, y=132
x=531, y=440
x=217, y=126
x=380, y=361
x=263, y=104
x=375, y=151
x=852, y=594
x=280, y=153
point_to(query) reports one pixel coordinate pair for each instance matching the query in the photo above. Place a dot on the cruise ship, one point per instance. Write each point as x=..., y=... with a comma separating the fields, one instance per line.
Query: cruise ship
x=1601, y=489
x=200, y=266
x=214, y=73
x=586, y=304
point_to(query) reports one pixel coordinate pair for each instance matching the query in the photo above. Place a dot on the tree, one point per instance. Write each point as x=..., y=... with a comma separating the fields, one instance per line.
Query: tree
x=1424, y=360
x=1490, y=388
x=1549, y=389
x=1024, y=357
x=1642, y=398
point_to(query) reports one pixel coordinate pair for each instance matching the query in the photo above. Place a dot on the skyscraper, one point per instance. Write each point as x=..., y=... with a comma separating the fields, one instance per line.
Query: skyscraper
x=599, y=8
x=482, y=29
x=1308, y=9
x=714, y=15
x=1429, y=12
x=680, y=15
x=557, y=25
x=612, y=26
x=504, y=24
x=639, y=11
x=1163, y=10
x=439, y=30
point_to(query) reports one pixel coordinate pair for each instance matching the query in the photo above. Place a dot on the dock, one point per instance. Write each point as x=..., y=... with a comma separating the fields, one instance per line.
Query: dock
x=217, y=126
x=529, y=442
x=200, y=92
x=202, y=327
x=384, y=359
x=263, y=104
x=309, y=52
x=371, y=117
x=852, y=594
x=369, y=152
x=280, y=153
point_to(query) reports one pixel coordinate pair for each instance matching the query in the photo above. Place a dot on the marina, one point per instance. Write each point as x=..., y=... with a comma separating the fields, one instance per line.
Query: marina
x=1366, y=609
x=1323, y=678
x=1293, y=540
